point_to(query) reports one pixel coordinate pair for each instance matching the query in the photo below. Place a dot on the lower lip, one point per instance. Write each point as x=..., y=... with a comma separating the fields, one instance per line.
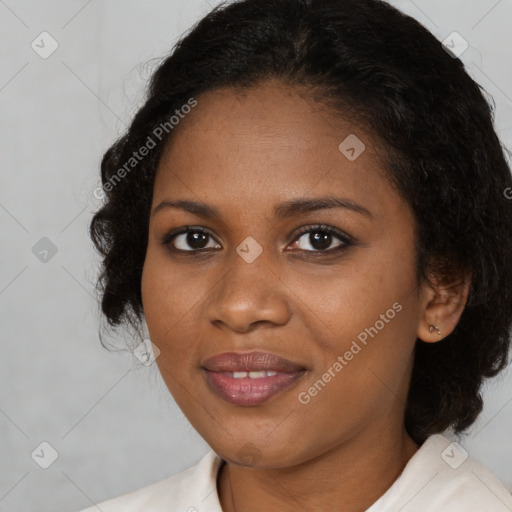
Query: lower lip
x=247, y=391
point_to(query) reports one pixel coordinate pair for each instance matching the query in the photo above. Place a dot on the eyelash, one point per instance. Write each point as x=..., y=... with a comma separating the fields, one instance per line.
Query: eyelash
x=346, y=240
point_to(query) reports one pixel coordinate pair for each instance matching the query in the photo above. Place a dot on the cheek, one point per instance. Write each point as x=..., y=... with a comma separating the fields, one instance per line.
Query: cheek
x=366, y=312
x=348, y=299
x=366, y=317
x=168, y=300
x=169, y=304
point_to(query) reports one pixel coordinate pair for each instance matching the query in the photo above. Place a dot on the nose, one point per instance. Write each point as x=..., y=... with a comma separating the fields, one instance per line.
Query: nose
x=249, y=294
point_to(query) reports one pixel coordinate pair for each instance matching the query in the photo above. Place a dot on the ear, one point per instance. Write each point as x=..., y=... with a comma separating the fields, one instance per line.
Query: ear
x=442, y=305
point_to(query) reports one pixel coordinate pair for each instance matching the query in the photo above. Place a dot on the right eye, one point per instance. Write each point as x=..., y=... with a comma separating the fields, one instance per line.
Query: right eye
x=189, y=239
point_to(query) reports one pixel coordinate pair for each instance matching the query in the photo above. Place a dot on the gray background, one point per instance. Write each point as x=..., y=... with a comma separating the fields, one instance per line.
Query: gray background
x=111, y=420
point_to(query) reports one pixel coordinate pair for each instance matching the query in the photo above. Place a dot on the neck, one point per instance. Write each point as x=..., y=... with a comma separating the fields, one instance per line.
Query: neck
x=352, y=476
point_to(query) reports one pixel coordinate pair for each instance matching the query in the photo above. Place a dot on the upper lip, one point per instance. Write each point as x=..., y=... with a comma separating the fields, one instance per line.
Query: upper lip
x=250, y=361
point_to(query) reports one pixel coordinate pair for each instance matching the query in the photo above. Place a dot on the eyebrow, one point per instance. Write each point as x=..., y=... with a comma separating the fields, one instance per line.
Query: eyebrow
x=281, y=211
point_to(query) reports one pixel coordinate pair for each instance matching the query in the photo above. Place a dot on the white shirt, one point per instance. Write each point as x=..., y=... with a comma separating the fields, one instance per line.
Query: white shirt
x=439, y=477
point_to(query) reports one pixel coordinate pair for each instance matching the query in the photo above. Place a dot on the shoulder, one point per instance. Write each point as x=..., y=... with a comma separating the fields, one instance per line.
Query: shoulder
x=442, y=477
x=192, y=490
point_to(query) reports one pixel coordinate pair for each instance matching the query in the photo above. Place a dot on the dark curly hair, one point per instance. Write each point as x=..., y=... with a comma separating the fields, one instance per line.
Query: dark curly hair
x=366, y=59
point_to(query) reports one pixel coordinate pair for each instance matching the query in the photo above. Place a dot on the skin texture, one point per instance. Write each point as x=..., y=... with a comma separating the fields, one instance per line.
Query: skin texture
x=243, y=153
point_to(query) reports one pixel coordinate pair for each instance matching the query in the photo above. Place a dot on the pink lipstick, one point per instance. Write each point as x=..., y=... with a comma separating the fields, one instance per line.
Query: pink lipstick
x=249, y=379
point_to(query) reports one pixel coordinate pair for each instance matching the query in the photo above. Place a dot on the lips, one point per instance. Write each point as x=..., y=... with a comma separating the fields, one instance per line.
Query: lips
x=252, y=361
x=249, y=379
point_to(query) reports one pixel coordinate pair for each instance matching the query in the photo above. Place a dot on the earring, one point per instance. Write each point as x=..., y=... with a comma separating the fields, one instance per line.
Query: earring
x=432, y=327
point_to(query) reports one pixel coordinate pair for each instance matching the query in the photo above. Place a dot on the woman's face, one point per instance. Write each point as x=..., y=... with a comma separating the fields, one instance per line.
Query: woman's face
x=343, y=307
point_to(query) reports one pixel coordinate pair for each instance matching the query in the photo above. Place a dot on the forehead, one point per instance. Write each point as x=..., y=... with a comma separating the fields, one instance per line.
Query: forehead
x=265, y=145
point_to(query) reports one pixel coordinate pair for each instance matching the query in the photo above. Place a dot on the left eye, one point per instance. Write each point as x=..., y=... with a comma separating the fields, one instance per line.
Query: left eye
x=321, y=240
x=195, y=238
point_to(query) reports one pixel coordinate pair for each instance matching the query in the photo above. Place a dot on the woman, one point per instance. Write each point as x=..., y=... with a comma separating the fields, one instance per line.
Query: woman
x=309, y=214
